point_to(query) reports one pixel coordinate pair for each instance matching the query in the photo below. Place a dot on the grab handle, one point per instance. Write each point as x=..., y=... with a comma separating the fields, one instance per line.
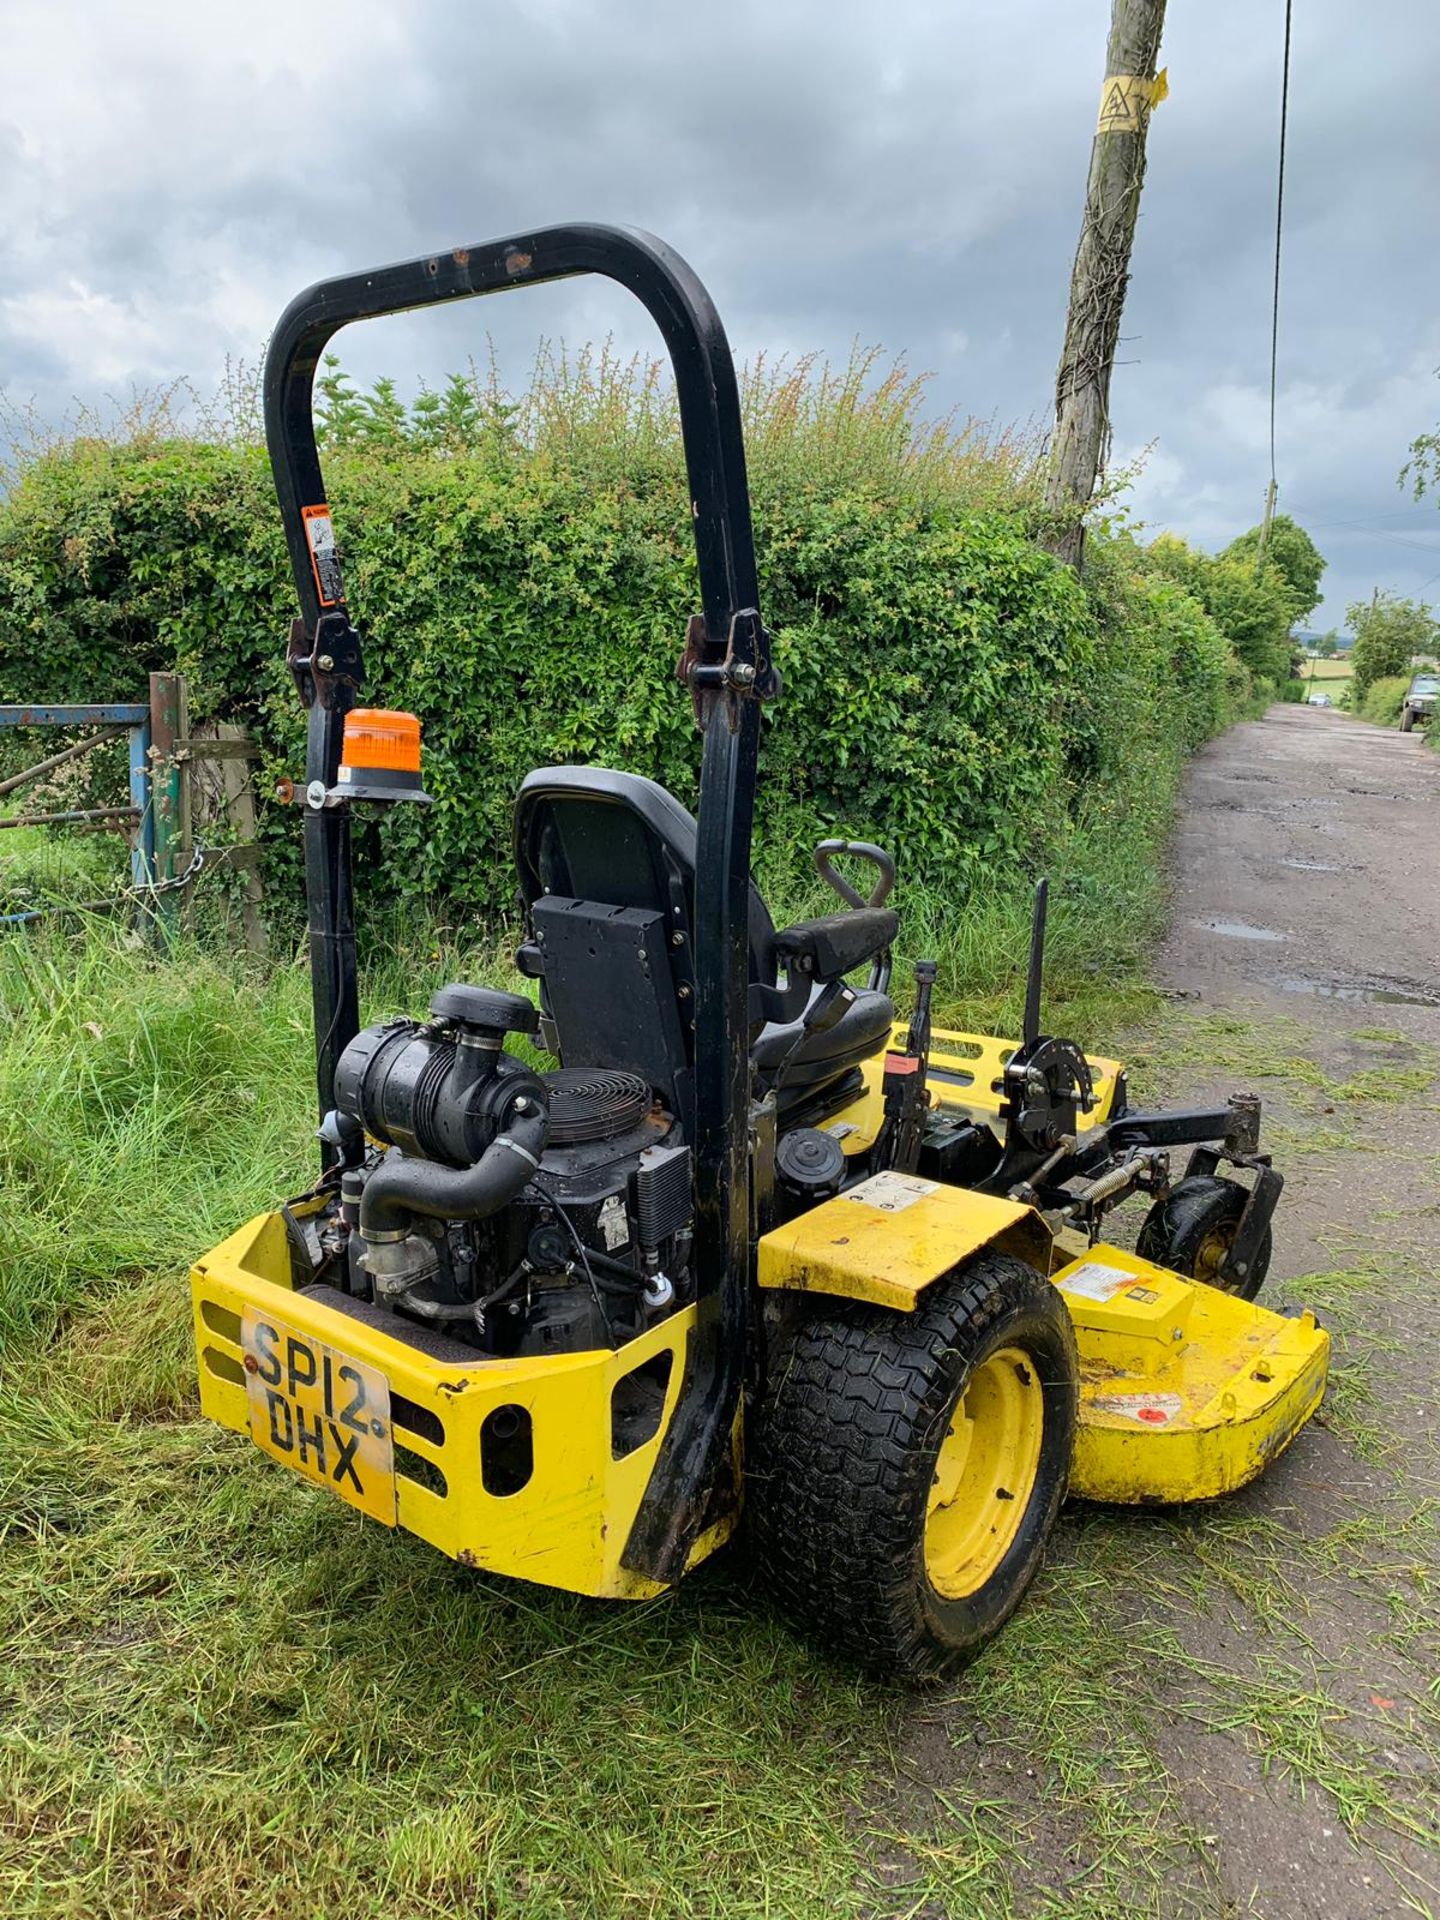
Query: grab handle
x=862, y=849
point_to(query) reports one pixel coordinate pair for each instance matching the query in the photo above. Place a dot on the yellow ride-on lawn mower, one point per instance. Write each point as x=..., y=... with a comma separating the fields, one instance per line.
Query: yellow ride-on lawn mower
x=753, y=1245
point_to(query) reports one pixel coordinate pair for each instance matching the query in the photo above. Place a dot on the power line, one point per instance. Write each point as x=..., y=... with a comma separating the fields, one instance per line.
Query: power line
x=1368, y=533
x=1279, y=226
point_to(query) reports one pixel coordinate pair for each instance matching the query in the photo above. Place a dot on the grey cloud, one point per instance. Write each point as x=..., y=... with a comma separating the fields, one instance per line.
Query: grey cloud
x=907, y=173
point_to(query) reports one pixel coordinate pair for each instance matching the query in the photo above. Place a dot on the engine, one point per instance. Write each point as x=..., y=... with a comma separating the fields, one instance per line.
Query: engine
x=523, y=1212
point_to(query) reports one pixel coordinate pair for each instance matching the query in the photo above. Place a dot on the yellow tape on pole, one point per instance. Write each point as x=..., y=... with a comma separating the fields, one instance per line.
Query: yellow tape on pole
x=1126, y=99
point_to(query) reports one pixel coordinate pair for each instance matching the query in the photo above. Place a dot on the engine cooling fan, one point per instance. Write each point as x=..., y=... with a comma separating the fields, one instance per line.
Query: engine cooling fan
x=589, y=1103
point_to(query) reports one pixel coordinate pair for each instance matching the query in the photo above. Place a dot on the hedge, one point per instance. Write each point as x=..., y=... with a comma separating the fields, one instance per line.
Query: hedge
x=948, y=690
x=1384, y=698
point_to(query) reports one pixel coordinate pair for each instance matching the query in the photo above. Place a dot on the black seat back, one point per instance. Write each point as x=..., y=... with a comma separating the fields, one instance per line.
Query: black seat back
x=606, y=863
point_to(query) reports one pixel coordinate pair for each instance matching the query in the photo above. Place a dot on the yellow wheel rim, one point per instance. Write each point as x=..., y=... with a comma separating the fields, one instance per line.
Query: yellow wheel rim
x=984, y=1474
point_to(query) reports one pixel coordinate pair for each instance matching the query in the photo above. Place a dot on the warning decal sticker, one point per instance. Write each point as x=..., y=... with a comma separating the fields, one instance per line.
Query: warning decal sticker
x=613, y=1224
x=324, y=555
x=1149, y=1409
x=891, y=1192
x=1096, y=1281
x=1127, y=99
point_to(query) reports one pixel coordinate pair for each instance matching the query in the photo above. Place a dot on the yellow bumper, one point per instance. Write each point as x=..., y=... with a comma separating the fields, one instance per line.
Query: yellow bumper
x=566, y=1526
x=1185, y=1392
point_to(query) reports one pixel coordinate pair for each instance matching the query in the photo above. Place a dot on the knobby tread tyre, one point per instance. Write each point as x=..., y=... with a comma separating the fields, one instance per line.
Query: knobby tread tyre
x=1176, y=1226
x=843, y=1451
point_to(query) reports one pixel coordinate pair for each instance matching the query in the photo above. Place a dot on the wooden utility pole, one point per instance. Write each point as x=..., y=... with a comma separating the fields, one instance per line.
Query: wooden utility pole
x=1102, y=268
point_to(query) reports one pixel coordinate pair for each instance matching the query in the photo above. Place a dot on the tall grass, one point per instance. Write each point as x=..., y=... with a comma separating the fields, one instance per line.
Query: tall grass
x=149, y=1106
x=1383, y=700
x=596, y=410
x=866, y=420
x=42, y=867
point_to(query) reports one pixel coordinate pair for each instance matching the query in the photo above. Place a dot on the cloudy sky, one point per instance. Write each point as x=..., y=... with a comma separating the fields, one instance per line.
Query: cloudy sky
x=900, y=172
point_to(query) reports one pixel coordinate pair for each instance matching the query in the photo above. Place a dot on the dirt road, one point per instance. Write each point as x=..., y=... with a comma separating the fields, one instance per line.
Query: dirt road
x=1236, y=1710
x=1305, y=865
x=1308, y=902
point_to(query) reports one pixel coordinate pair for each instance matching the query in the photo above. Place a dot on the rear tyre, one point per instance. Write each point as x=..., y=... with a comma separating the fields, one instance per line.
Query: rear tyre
x=905, y=1470
x=1193, y=1228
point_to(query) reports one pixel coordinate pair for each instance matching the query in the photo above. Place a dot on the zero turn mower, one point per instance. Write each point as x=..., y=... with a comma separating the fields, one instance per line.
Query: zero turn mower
x=752, y=1241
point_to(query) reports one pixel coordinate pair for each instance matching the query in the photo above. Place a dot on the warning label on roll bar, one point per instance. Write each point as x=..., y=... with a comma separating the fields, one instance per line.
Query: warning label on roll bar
x=324, y=555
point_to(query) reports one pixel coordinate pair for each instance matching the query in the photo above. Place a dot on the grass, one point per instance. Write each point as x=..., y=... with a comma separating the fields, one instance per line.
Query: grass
x=224, y=1694
x=42, y=868
x=1276, y=1049
x=355, y=1728
x=1337, y=668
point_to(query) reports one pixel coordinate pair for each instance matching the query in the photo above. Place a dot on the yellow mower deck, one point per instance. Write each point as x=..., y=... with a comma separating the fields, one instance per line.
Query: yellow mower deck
x=1185, y=1392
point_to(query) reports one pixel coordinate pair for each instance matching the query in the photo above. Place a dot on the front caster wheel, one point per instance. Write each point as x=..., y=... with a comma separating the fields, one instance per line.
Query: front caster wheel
x=905, y=1469
x=1193, y=1228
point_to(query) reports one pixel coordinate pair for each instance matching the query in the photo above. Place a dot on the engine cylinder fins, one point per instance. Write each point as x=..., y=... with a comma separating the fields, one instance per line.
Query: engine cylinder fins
x=591, y=1103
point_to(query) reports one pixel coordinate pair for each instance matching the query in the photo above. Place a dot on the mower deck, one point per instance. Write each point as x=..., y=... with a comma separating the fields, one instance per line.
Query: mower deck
x=1185, y=1392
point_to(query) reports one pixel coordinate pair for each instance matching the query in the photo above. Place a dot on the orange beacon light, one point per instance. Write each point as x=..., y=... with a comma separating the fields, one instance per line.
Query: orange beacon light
x=380, y=758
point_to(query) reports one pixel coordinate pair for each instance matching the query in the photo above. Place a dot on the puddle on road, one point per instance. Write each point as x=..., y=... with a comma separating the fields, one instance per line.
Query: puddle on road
x=1237, y=930
x=1311, y=866
x=1367, y=996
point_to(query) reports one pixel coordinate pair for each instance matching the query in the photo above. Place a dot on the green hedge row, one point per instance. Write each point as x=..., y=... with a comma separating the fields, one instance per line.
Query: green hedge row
x=1384, y=698
x=949, y=689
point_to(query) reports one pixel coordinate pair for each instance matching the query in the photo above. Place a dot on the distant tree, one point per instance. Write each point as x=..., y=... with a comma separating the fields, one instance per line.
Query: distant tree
x=1252, y=609
x=1293, y=554
x=1421, y=472
x=339, y=409
x=462, y=416
x=1389, y=631
x=383, y=420
x=347, y=418
x=452, y=418
x=1328, y=645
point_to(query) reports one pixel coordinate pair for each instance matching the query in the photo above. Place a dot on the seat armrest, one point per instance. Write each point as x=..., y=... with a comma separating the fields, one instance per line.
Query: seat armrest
x=828, y=948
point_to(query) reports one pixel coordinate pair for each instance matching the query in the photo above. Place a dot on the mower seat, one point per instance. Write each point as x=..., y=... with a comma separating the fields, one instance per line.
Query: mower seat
x=606, y=864
x=821, y=1056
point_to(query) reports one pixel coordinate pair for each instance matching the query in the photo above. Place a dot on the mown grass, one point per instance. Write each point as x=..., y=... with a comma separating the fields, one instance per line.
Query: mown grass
x=1338, y=667
x=224, y=1693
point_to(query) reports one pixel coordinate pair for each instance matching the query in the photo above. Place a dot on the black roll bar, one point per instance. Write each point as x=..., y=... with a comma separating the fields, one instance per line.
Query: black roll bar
x=727, y=666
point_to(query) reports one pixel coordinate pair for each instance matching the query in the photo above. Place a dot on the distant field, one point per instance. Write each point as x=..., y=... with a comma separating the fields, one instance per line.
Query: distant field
x=1336, y=669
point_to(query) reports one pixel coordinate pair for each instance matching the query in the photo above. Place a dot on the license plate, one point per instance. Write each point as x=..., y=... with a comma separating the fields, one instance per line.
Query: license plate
x=320, y=1412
